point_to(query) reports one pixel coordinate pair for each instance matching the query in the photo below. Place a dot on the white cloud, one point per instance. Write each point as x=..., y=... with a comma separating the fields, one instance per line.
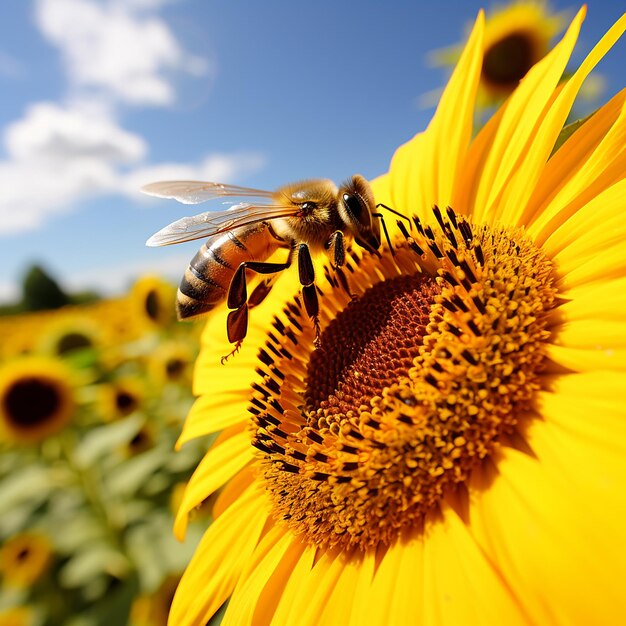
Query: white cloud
x=60, y=156
x=117, y=48
x=55, y=134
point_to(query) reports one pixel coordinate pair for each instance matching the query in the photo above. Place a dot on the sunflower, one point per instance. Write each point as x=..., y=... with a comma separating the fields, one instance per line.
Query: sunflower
x=517, y=35
x=152, y=302
x=25, y=558
x=171, y=362
x=454, y=450
x=144, y=439
x=69, y=334
x=36, y=398
x=120, y=398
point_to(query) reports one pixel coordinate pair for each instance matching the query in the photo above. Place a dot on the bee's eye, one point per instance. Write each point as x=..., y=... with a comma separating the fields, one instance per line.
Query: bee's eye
x=308, y=206
x=354, y=205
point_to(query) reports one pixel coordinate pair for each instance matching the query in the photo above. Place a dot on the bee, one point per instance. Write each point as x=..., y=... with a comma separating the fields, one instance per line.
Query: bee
x=306, y=217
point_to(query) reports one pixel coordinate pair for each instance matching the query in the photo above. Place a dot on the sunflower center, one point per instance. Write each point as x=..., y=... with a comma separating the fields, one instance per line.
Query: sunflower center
x=31, y=401
x=152, y=305
x=369, y=345
x=508, y=60
x=427, y=359
x=73, y=341
x=125, y=402
x=174, y=368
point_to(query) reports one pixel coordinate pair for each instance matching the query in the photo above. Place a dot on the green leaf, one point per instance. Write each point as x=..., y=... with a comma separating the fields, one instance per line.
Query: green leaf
x=568, y=131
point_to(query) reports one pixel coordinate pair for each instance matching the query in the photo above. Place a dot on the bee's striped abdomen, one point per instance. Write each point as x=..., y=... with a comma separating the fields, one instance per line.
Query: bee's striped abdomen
x=207, y=279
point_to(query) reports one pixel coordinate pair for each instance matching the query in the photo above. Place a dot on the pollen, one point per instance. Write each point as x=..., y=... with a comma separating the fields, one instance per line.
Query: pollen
x=428, y=358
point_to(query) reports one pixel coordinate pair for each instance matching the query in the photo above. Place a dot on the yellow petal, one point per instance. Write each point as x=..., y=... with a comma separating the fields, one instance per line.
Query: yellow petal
x=590, y=408
x=298, y=585
x=567, y=172
x=466, y=190
x=546, y=539
x=598, y=301
x=586, y=360
x=462, y=585
x=257, y=593
x=608, y=264
x=340, y=607
x=595, y=226
x=516, y=194
x=363, y=595
x=516, y=132
x=590, y=334
x=317, y=584
x=231, y=491
x=211, y=414
x=215, y=568
x=217, y=467
x=424, y=170
x=396, y=595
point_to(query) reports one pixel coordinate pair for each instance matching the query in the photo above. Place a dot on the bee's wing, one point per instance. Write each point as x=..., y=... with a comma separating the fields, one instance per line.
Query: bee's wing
x=194, y=192
x=214, y=222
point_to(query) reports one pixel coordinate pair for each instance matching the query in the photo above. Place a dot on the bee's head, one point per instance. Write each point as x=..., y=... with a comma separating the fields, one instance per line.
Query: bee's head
x=356, y=206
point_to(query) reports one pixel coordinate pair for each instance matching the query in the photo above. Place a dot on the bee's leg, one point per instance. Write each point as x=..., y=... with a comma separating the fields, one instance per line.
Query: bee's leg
x=238, y=292
x=382, y=222
x=261, y=291
x=236, y=328
x=306, y=273
x=237, y=320
x=336, y=248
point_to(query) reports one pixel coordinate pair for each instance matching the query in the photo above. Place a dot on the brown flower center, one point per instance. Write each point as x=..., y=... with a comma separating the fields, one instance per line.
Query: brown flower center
x=73, y=341
x=153, y=305
x=427, y=358
x=31, y=401
x=508, y=60
x=369, y=345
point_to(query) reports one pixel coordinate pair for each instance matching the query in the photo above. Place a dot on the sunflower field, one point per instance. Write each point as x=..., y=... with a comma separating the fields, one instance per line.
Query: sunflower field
x=92, y=399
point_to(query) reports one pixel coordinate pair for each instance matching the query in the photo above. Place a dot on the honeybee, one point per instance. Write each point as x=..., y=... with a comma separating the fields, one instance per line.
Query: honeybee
x=303, y=217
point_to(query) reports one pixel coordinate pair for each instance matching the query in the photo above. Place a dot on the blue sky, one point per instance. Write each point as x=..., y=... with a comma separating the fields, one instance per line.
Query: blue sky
x=101, y=96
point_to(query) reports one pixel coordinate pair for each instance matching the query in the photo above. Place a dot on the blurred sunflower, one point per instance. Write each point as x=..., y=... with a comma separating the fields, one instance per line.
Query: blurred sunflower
x=25, y=558
x=517, y=36
x=120, y=398
x=70, y=333
x=455, y=451
x=171, y=362
x=152, y=302
x=17, y=616
x=142, y=440
x=36, y=398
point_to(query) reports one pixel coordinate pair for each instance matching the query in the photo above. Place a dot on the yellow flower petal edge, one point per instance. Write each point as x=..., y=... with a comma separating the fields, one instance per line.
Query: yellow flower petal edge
x=424, y=170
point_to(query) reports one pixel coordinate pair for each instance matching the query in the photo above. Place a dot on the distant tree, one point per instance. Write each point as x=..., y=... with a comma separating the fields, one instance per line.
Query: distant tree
x=40, y=291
